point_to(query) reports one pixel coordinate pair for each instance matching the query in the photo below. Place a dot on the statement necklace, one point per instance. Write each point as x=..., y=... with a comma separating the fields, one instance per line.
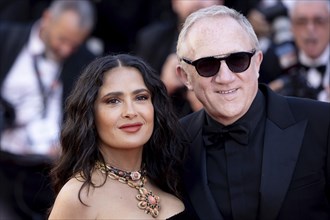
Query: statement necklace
x=148, y=201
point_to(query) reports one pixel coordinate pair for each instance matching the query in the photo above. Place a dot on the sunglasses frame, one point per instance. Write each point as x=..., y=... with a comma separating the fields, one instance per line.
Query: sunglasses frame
x=219, y=58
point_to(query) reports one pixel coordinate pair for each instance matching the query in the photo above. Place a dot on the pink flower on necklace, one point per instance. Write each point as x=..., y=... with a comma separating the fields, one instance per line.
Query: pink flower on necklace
x=135, y=175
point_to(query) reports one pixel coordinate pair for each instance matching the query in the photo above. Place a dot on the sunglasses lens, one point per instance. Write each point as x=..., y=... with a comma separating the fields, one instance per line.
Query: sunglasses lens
x=208, y=67
x=238, y=62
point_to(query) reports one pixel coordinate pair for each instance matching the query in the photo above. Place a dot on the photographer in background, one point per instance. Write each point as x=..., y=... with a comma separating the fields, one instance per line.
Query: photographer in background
x=40, y=61
x=310, y=76
x=272, y=25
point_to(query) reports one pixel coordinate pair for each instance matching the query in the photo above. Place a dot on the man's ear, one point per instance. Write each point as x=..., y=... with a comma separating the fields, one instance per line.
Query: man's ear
x=46, y=15
x=184, y=77
x=46, y=19
x=259, y=58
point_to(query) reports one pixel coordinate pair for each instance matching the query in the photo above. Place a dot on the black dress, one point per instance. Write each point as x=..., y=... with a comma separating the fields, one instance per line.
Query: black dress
x=184, y=215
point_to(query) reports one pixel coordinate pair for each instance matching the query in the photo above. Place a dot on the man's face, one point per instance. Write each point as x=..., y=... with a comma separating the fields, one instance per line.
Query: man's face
x=63, y=35
x=310, y=26
x=226, y=96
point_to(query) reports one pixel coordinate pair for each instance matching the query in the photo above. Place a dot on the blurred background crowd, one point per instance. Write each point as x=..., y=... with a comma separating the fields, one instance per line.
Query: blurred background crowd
x=60, y=38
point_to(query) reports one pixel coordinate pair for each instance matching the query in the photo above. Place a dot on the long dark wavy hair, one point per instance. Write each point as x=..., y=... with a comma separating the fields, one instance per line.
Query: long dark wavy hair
x=162, y=154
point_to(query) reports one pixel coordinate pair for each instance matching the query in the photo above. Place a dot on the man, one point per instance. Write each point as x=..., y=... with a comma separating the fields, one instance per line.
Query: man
x=253, y=154
x=163, y=36
x=311, y=31
x=39, y=64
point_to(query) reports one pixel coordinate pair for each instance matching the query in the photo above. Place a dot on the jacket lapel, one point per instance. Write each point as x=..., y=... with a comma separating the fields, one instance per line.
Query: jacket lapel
x=12, y=43
x=282, y=143
x=195, y=173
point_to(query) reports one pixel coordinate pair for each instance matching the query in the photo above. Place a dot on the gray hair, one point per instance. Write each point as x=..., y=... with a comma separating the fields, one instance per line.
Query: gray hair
x=84, y=9
x=292, y=6
x=212, y=11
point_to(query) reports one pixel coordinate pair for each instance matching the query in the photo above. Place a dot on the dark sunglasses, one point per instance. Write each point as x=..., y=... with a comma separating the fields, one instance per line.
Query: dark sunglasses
x=209, y=66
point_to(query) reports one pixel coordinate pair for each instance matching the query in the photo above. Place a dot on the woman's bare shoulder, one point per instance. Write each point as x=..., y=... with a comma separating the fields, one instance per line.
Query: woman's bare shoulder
x=68, y=205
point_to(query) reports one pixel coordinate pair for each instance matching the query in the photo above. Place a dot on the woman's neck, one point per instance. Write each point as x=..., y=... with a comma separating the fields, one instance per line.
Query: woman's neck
x=123, y=159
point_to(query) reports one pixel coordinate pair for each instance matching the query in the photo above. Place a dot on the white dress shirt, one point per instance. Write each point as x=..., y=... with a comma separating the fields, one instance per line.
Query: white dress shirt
x=314, y=77
x=34, y=133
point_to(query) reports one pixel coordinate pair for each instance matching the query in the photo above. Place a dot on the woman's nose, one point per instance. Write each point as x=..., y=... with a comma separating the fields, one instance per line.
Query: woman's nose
x=129, y=110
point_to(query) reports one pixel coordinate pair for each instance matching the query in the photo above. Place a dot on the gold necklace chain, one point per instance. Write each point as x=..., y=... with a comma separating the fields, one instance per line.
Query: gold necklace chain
x=148, y=201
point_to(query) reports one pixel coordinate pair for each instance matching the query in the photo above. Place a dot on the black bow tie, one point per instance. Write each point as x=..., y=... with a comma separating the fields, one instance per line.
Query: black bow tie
x=237, y=132
x=320, y=68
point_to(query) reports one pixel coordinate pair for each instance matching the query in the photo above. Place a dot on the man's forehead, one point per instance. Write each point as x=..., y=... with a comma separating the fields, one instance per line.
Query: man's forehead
x=210, y=37
x=317, y=8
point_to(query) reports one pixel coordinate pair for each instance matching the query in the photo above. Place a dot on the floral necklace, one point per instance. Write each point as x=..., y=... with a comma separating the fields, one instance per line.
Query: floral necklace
x=148, y=201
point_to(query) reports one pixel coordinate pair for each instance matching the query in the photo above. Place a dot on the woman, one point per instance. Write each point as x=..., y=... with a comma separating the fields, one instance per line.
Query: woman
x=121, y=146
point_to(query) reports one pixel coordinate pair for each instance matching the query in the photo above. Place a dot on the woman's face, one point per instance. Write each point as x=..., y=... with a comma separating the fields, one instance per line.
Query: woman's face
x=124, y=113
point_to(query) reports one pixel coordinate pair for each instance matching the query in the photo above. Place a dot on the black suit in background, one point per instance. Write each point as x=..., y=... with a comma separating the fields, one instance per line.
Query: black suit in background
x=24, y=179
x=22, y=11
x=118, y=21
x=154, y=43
x=243, y=7
x=295, y=170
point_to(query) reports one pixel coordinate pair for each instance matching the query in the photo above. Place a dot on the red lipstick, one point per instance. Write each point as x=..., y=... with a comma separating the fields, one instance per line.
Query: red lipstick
x=131, y=128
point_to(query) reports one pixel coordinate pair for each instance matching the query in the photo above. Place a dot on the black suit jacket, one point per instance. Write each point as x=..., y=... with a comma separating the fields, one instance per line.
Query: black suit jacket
x=13, y=37
x=295, y=181
x=155, y=42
